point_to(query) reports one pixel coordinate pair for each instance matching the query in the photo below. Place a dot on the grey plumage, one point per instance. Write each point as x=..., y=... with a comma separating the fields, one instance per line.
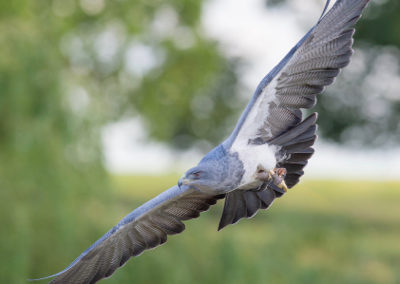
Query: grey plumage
x=270, y=133
x=295, y=150
x=314, y=65
x=145, y=228
x=245, y=204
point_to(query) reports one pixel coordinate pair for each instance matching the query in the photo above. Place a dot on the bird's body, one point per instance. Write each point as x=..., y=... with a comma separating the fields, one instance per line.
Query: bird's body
x=224, y=167
x=252, y=157
x=263, y=157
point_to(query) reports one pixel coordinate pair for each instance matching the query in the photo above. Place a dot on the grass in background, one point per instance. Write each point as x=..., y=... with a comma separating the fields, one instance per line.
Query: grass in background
x=320, y=232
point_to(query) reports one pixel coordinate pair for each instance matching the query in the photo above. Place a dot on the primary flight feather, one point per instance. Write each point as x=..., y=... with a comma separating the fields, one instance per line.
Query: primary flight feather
x=264, y=156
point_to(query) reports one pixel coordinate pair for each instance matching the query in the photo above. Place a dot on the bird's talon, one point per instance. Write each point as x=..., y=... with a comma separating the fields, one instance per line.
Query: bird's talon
x=277, y=178
x=283, y=186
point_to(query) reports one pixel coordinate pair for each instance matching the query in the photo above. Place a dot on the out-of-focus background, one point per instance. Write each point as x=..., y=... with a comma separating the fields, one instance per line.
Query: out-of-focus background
x=103, y=104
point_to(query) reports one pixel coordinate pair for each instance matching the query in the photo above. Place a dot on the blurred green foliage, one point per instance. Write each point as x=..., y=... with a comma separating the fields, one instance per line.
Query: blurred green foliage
x=48, y=161
x=381, y=26
x=320, y=232
x=68, y=67
x=119, y=59
x=363, y=107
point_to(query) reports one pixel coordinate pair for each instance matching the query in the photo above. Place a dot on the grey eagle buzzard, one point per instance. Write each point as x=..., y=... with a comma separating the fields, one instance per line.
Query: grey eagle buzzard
x=263, y=157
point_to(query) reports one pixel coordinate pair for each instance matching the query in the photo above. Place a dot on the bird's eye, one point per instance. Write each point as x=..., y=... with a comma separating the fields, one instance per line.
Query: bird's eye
x=196, y=175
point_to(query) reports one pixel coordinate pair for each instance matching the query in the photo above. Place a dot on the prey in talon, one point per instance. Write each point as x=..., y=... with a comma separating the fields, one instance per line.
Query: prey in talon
x=275, y=178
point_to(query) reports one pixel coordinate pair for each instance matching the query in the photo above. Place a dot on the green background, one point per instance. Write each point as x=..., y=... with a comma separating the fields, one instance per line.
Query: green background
x=56, y=198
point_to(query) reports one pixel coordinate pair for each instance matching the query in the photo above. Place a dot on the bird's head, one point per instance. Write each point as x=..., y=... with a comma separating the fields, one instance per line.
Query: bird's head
x=199, y=178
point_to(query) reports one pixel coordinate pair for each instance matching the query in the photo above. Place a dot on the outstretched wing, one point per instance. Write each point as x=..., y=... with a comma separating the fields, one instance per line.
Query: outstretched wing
x=274, y=113
x=294, y=83
x=144, y=228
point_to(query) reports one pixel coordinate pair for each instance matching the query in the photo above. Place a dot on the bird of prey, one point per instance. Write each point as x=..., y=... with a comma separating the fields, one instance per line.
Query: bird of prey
x=263, y=157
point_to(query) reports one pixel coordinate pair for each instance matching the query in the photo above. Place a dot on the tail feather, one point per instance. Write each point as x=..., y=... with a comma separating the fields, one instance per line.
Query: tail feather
x=244, y=204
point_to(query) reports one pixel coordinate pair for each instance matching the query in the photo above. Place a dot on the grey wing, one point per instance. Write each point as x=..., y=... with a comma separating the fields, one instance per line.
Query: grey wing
x=144, y=228
x=314, y=66
x=274, y=114
x=294, y=83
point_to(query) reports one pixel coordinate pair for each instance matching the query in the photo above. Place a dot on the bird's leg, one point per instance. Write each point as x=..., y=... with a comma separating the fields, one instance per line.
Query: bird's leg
x=275, y=178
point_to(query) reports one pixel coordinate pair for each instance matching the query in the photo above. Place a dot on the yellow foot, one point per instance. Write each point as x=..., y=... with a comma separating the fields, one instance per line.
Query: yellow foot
x=275, y=177
x=278, y=178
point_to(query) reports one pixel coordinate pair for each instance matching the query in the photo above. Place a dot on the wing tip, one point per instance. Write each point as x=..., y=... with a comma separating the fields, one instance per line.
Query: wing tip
x=221, y=226
x=42, y=278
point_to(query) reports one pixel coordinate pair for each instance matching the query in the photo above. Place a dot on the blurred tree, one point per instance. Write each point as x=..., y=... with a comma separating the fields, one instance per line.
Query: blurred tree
x=49, y=161
x=148, y=58
x=68, y=67
x=363, y=106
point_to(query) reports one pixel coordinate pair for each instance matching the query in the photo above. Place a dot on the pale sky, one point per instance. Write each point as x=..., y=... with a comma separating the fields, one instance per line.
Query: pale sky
x=261, y=37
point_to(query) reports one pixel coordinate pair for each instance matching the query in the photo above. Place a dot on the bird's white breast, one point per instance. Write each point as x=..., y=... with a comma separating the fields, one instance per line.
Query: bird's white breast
x=251, y=156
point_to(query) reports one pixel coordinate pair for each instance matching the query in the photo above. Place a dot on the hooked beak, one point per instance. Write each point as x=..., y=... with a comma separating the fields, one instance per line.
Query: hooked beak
x=183, y=182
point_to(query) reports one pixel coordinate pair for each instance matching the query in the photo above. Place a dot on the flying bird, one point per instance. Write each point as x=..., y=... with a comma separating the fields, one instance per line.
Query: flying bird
x=261, y=160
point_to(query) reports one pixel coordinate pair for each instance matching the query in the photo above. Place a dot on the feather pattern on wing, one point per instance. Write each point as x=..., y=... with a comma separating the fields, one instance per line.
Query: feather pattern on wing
x=146, y=227
x=295, y=148
x=274, y=115
x=293, y=85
